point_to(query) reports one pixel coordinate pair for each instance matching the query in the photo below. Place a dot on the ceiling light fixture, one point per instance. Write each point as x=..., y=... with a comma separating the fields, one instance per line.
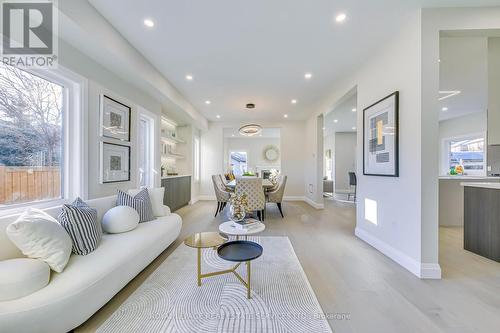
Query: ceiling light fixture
x=189, y=77
x=207, y=102
x=149, y=23
x=448, y=93
x=444, y=109
x=294, y=101
x=335, y=121
x=285, y=116
x=354, y=110
x=250, y=106
x=340, y=17
x=308, y=76
x=217, y=116
x=250, y=130
x=354, y=128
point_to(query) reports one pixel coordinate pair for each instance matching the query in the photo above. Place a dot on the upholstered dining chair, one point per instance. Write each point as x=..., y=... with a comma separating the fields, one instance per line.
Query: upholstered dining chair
x=220, y=193
x=224, y=183
x=256, y=198
x=276, y=196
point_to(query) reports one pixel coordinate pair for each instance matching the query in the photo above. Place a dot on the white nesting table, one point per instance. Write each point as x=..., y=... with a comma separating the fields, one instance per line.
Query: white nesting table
x=229, y=229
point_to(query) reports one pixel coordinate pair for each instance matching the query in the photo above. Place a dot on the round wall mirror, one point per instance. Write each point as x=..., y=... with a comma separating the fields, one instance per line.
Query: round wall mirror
x=271, y=153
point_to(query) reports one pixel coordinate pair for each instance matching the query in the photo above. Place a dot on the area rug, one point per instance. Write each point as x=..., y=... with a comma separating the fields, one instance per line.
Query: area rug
x=171, y=301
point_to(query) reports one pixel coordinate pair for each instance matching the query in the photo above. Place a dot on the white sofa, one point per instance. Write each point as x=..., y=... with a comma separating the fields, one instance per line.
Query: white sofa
x=88, y=282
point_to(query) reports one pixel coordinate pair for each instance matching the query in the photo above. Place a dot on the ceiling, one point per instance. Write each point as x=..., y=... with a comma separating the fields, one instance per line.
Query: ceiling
x=342, y=118
x=463, y=66
x=258, y=51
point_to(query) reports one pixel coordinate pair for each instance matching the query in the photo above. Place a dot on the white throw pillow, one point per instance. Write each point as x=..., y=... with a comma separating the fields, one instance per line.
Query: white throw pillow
x=120, y=219
x=21, y=277
x=39, y=236
x=156, y=195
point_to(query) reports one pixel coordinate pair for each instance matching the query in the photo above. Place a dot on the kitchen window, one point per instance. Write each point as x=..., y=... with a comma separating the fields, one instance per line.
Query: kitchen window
x=467, y=151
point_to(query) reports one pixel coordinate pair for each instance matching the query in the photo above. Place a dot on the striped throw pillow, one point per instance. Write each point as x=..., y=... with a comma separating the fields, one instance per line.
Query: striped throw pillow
x=140, y=202
x=80, y=222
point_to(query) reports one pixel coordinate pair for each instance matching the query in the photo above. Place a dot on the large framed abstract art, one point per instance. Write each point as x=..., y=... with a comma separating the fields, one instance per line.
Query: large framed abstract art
x=381, y=137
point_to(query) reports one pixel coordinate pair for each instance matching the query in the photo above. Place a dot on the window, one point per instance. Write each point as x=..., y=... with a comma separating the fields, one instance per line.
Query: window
x=196, y=159
x=467, y=151
x=31, y=137
x=146, y=150
x=238, y=162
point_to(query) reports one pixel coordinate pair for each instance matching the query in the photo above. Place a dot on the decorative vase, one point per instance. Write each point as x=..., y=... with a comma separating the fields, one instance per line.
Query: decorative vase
x=236, y=213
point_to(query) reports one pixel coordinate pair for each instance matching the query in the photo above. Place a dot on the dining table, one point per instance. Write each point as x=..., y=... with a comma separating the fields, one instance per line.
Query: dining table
x=266, y=184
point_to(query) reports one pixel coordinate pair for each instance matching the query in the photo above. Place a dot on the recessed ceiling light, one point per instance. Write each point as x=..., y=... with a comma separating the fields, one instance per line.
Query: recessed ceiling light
x=285, y=116
x=335, y=120
x=444, y=109
x=250, y=106
x=354, y=110
x=208, y=102
x=324, y=128
x=354, y=128
x=308, y=76
x=232, y=134
x=217, y=116
x=340, y=17
x=294, y=101
x=189, y=77
x=149, y=23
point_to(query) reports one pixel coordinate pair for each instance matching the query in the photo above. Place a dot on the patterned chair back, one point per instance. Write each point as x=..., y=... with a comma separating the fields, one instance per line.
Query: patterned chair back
x=252, y=187
x=220, y=193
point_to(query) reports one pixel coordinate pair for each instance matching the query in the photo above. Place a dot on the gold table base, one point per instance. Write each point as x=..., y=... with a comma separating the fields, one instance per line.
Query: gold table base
x=226, y=271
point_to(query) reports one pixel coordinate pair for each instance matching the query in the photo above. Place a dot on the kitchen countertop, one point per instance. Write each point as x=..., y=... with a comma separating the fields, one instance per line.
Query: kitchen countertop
x=468, y=177
x=483, y=185
x=176, y=176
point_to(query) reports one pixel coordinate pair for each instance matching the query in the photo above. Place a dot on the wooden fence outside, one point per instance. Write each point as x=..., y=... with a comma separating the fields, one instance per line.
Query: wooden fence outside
x=23, y=184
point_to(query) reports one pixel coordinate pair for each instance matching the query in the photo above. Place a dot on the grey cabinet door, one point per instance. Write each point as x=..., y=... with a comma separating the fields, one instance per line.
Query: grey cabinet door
x=177, y=192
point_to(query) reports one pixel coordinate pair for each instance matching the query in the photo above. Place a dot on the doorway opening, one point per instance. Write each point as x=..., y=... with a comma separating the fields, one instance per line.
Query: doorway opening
x=340, y=150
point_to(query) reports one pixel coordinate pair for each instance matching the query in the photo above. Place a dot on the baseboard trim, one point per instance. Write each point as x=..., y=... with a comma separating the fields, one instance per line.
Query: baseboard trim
x=421, y=270
x=314, y=204
x=293, y=198
x=206, y=198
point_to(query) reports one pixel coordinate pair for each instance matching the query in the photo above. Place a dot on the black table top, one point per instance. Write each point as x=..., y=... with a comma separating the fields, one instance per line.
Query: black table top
x=239, y=251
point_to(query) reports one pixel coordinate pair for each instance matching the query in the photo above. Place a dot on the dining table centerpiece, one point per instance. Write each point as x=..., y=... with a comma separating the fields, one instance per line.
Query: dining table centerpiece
x=238, y=208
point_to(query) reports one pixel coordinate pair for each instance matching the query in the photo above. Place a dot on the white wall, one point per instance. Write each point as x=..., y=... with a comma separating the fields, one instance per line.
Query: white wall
x=396, y=66
x=434, y=21
x=102, y=81
x=345, y=159
x=291, y=149
x=313, y=158
x=254, y=147
x=494, y=91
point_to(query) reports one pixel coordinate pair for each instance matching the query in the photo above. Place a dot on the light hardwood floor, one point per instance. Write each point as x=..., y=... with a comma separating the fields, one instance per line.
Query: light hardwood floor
x=350, y=277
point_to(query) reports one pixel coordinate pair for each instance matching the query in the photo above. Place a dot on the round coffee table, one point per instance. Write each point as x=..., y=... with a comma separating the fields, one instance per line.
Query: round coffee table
x=229, y=228
x=203, y=240
x=240, y=251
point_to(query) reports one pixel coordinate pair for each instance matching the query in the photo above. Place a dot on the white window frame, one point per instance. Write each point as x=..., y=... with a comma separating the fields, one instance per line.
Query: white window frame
x=197, y=158
x=75, y=151
x=152, y=119
x=445, y=152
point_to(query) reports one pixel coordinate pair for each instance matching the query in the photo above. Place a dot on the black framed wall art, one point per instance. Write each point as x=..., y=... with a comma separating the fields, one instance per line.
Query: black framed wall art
x=115, y=119
x=115, y=163
x=381, y=137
